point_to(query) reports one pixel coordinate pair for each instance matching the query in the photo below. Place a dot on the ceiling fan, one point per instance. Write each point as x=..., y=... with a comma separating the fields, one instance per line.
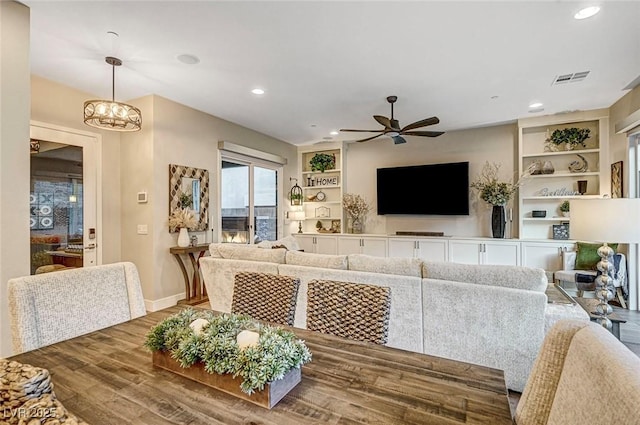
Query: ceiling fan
x=393, y=130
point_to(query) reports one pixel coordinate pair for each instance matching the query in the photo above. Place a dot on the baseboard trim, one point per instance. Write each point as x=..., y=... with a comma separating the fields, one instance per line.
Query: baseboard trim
x=163, y=303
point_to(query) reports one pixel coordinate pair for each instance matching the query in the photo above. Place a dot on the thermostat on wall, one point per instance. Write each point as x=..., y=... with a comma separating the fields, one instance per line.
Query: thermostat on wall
x=142, y=197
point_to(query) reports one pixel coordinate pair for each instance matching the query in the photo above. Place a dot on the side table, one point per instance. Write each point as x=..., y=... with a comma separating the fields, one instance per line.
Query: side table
x=194, y=290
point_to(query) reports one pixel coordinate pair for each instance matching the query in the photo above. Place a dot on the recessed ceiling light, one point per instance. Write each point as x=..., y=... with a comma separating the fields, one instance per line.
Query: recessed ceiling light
x=535, y=105
x=257, y=91
x=334, y=133
x=587, y=12
x=188, y=59
x=327, y=138
x=494, y=97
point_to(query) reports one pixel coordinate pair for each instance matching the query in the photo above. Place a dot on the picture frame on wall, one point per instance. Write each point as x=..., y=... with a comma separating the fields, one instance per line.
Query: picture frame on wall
x=616, y=180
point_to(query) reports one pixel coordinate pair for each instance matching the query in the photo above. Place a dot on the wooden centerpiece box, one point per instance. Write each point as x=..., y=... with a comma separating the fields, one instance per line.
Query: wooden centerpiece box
x=268, y=397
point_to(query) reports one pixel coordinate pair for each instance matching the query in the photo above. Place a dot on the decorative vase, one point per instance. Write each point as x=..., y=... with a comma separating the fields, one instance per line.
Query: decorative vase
x=498, y=221
x=356, y=225
x=582, y=187
x=547, y=168
x=183, y=238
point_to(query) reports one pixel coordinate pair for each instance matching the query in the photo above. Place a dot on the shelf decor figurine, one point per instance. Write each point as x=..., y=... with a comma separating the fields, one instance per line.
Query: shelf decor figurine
x=183, y=219
x=497, y=193
x=580, y=165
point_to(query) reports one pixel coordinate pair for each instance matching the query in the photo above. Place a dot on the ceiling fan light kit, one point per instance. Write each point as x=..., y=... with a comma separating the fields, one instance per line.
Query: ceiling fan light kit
x=392, y=127
x=109, y=114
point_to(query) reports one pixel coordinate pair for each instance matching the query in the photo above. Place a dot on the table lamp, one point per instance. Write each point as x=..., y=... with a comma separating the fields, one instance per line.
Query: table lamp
x=605, y=220
x=297, y=215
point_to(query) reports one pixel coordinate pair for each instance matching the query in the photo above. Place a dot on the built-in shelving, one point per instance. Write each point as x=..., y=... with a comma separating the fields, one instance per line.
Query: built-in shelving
x=311, y=183
x=532, y=149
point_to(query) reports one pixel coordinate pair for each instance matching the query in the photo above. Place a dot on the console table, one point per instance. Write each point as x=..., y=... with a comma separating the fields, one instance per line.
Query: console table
x=194, y=290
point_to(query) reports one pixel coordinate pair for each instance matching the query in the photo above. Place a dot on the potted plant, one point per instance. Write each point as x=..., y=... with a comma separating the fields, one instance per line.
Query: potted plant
x=569, y=137
x=564, y=208
x=323, y=161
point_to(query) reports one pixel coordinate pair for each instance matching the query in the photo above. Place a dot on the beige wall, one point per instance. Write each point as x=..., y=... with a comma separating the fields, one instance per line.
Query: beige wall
x=14, y=154
x=496, y=144
x=60, y=105
x=619, y=144
x=175, y=134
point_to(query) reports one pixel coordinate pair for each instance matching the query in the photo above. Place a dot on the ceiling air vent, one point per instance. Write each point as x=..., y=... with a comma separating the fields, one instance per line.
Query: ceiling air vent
x=570, y=78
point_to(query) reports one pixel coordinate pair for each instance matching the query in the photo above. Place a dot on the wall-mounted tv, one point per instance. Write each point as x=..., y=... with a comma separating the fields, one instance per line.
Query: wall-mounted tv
x=432, y=189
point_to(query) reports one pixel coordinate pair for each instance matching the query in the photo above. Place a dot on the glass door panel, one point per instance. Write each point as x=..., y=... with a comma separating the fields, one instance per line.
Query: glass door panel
x=56, y=206
x=234, y=195
x=265, y=210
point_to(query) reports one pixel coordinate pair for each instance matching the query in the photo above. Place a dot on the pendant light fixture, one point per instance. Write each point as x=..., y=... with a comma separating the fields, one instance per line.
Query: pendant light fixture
x=109, y=114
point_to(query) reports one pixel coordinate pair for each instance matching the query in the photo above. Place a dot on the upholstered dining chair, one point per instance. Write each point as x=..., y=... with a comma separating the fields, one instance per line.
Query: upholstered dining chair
x=350, y=310
x=51, y=307
x=582, y=375
x=265, y=296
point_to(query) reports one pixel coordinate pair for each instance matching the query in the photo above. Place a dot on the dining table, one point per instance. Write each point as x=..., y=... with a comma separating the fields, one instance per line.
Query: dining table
x=107, y=377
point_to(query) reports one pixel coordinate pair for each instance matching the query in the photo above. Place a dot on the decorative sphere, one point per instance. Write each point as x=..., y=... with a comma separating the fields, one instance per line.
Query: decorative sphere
x=604, y=309
x=197, y=325
x=605, y=251
x=605, y=267
x=605, y=323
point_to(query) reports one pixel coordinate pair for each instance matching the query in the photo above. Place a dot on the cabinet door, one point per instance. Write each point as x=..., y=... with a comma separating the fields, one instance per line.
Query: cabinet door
x=504, y=253
x=547, y=256
x=465, y=252
x=405, y=248
x=374, y=246
x=348, y=245
x=306, y=242
x=432, y=250
x=326, y=245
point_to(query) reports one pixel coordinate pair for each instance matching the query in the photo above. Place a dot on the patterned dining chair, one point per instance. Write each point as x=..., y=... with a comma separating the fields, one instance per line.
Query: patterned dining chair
x=350, y=310
x=265, y=296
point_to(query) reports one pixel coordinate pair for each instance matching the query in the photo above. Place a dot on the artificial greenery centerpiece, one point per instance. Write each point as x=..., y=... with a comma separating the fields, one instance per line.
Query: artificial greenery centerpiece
x=570, y=137
x=564, y=207
x=214, y=343
x=322, y=161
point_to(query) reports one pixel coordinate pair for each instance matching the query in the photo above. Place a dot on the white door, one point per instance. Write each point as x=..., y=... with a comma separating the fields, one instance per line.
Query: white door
x=465, y=252
x=402, y=248
x=374, y=246
x=327, y=245
x=349, y=245
x=76, y=244
x=432, y=250
x=504, y=253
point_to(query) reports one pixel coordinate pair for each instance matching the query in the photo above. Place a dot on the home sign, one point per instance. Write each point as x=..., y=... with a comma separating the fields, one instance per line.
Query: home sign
x=323, y=181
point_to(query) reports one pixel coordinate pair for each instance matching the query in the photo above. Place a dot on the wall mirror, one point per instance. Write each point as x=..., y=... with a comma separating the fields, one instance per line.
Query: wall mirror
x=189, y=188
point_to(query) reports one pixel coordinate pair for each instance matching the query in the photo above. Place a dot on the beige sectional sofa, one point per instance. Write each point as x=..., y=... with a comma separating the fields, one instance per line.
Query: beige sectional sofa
x=495, y=316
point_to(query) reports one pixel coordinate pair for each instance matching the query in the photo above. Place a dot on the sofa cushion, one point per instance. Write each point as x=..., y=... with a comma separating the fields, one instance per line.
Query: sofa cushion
x=246, y=252
x=316, y=260
x=388, y=265
x=505, y=276
x=288, y=242
x=587, y=255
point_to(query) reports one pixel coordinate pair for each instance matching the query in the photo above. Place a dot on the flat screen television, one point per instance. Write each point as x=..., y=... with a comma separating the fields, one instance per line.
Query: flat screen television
x=432, y=189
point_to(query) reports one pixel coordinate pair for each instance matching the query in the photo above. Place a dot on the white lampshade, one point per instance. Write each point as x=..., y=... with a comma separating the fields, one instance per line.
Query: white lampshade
x=296, y=215
x=615, y=220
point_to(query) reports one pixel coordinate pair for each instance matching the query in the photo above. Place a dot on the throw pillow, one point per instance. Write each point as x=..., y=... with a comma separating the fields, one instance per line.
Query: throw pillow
x=587, y=256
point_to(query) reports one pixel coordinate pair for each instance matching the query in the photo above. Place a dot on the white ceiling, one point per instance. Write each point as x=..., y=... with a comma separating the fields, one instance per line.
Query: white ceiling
x=330, y=65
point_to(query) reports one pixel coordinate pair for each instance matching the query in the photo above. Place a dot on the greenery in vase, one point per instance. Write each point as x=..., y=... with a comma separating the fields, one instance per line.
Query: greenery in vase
x=571, y=136
x=277, y=352
x=491, y=189
x=355, y=206
x=322, y=161
x=564, y=206
x=185, y=201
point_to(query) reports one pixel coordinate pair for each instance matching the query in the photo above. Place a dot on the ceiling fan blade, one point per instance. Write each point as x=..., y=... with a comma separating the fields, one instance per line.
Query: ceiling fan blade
x=383, y=120
x=360, y=131
x=422, y=123
x=397, y=140
x=423, y=133
x=369, y=138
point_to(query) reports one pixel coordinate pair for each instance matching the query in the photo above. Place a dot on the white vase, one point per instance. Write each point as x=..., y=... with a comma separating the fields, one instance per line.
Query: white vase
x=183, y=237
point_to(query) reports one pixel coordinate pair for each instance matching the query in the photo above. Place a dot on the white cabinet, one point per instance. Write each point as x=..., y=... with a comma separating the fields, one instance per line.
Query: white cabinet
x=469, y=251
x=318, y=244
x=322, y=190
x=427, y=249
x=546, y=191
x=368, y=245
x=544, y=255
